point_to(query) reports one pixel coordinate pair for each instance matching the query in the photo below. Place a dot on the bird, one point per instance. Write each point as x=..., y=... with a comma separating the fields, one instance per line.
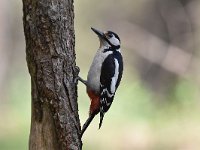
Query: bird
x=104, y=75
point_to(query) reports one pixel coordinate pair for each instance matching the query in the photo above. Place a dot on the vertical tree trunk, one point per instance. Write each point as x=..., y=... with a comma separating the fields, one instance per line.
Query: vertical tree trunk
x=49, y=34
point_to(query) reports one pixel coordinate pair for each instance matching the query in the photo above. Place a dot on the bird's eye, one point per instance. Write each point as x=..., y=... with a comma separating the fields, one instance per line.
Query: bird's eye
x=110, y=35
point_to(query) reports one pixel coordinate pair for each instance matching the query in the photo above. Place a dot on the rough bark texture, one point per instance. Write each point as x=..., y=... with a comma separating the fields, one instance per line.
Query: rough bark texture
x=49, y=34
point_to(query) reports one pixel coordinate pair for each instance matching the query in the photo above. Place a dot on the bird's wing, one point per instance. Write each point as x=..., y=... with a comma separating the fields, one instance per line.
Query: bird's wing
x=110, y=78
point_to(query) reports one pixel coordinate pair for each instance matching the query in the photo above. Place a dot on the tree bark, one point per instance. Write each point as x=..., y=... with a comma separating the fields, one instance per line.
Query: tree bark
x=50, y=54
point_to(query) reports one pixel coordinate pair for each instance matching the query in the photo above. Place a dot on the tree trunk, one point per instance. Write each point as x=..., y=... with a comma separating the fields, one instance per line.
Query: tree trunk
x=50, y=40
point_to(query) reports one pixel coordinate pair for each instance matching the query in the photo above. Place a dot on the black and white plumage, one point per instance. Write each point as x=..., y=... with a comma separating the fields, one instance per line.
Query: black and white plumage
x=104, y=75
x=111, y=73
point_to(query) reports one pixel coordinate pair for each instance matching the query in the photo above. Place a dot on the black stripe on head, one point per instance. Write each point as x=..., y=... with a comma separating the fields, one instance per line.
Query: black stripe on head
x=110, y=32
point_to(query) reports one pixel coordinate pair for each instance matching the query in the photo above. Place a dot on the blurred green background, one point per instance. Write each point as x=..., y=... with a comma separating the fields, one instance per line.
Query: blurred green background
x=157, y=105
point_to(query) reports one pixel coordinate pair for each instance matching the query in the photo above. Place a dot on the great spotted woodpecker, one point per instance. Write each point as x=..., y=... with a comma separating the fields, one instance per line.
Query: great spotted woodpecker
x=104, y=75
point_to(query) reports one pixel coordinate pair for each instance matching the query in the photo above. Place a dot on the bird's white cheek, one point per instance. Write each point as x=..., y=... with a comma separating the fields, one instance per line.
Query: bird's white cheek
x=114, y=41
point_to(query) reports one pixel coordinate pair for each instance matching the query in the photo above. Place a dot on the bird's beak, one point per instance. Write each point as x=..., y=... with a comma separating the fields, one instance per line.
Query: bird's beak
x=99, y=33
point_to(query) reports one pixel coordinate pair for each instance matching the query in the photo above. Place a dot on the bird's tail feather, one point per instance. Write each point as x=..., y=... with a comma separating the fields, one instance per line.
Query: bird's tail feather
x=87, y=123
x=101, y=119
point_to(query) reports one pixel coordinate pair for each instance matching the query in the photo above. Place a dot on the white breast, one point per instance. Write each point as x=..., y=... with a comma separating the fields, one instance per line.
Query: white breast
x=93, y=78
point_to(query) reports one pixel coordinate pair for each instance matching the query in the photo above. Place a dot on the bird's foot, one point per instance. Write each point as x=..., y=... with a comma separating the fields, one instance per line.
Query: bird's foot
x=77, y=70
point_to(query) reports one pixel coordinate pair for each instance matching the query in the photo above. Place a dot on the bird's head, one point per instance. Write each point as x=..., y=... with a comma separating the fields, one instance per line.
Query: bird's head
x=108, y=38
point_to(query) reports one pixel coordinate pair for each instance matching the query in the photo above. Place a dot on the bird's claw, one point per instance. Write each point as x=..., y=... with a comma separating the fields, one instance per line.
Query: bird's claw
x=76, y=80
x=76, y=70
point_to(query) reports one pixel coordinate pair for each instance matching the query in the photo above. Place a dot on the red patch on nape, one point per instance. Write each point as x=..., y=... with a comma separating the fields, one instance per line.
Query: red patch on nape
x=95, y=102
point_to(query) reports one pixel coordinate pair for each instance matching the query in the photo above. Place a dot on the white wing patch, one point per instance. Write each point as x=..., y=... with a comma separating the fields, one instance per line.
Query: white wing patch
x=115, y=77
x=108, y=94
